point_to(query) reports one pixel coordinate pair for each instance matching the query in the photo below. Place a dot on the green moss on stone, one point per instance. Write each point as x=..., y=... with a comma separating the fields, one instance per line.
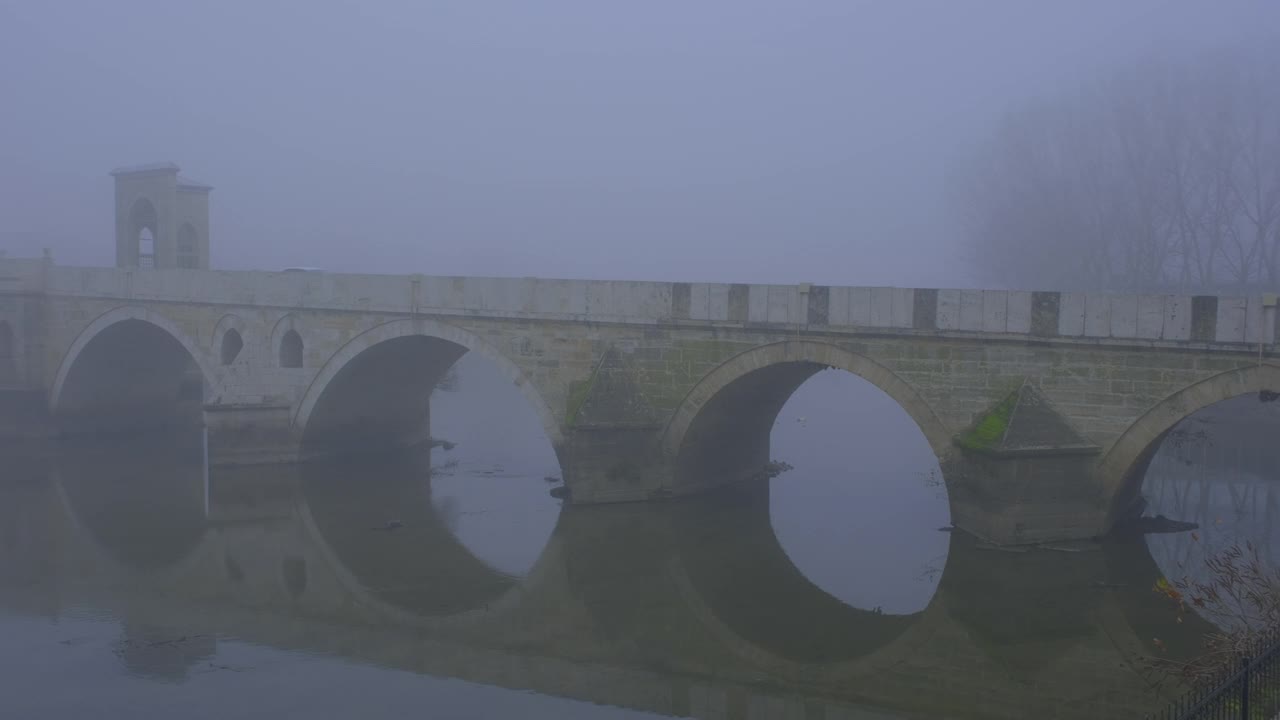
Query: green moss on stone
x=579, y=390
x=990, y=430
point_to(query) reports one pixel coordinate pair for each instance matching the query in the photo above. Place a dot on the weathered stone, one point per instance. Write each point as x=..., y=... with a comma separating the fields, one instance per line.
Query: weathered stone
x=925, y=310
x=1204, y=318
x=681, y=300
x=819, y=305
x=738, y=303
x=1044, y=313
x=595, y=358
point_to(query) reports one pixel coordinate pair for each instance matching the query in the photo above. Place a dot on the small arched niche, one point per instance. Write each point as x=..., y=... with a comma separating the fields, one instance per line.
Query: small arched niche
x=232, y=344
x=291, y=350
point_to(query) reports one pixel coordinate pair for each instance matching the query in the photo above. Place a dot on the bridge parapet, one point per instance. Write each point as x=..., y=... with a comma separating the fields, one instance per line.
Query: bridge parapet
x=1062, y=316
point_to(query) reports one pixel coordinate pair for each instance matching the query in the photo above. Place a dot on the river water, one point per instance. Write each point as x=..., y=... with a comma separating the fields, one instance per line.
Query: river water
x=137, y=582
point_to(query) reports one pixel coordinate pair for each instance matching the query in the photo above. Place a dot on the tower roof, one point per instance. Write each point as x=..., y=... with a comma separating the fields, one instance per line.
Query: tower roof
x=186, y=183
x=166, y=167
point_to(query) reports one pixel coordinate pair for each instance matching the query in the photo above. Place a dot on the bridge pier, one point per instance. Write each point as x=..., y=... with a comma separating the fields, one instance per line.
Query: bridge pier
x=1027, y=500
x=250, y=434
x=605, y=464
x=1023, y=474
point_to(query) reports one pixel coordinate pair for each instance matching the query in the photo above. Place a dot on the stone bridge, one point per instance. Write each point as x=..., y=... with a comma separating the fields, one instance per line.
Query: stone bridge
x=1041, y=406
x=689, y=609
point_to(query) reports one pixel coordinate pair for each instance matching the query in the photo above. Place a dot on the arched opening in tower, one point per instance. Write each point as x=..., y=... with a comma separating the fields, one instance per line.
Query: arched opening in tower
x=143, y=219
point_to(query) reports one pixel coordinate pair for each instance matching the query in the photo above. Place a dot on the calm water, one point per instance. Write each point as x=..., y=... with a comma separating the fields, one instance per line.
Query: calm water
x=135, y=582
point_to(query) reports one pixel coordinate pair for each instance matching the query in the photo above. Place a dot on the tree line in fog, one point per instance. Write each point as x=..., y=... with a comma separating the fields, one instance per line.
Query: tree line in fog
x=1161, y=176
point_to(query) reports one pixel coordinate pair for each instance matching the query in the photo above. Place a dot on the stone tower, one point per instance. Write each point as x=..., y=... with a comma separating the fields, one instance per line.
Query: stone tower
x=162, y=218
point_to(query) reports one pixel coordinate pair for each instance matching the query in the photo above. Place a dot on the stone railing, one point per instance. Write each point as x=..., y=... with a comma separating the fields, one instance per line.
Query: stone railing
x=1171, y=318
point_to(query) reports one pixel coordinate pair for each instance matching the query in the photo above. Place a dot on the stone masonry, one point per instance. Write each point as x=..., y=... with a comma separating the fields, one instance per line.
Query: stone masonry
x=645, y=389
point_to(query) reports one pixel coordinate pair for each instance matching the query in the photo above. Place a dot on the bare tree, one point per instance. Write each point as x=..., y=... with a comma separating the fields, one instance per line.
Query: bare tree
x=1163, y=175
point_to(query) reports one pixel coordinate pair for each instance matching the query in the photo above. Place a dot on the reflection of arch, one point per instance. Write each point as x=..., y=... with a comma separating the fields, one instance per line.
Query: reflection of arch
x=731, y=558
x=141, y=508
x=1147, y=614
x=419, y=574
x=1135, y=447
x=734, y=406
x=188, y=247
x=430, y=330
x=107, y=320
x=704, y=584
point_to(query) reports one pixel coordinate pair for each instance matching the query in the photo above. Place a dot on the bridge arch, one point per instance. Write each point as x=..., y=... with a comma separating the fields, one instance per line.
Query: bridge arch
x=452, y=342
x=755, y=384
x=161, y=328
x=1119, y=469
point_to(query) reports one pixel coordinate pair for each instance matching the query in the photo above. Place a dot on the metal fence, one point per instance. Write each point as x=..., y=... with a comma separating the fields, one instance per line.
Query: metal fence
x=1251, y=692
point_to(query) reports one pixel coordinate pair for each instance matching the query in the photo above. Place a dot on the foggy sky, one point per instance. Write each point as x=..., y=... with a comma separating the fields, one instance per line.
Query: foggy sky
x=725, y=140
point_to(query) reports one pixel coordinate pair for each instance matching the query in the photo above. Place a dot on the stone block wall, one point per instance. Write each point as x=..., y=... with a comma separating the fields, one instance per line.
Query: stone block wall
x=1108, y=364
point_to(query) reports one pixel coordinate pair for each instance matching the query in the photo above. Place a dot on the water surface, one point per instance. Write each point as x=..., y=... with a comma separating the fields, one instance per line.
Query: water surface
x=450, y=583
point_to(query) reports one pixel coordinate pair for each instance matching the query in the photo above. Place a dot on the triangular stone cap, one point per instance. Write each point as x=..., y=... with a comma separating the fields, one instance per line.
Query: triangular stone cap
x=610, y=397
x=1024, y=423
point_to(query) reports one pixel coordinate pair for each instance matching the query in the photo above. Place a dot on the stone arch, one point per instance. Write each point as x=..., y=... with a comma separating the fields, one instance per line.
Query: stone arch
x=230, y=329
x=106, y=320
x=421, y=327
x=1118, y=468
x=818, y=354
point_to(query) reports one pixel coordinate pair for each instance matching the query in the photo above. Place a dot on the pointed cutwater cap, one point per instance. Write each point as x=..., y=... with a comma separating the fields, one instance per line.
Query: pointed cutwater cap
x=1024, y=423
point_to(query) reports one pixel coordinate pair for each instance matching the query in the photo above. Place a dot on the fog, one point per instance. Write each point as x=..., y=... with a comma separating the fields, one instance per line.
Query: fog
x=721, y=141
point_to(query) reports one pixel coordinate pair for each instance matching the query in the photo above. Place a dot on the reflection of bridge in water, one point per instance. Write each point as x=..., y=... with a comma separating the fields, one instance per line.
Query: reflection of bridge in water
x=1221, y=470
x=685, y=609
